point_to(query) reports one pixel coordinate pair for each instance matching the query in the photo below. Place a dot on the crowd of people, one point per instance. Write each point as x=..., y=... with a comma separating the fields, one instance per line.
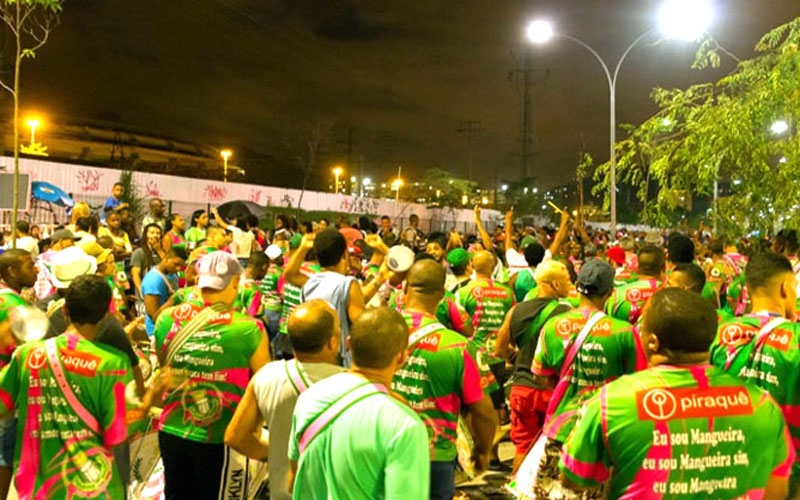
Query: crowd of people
x=357, y=359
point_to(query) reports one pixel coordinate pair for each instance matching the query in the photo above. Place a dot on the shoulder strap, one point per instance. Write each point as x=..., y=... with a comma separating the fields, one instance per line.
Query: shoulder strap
x=170, y=288
x=193, y=326
x=66, y=390
x=543, y=316
x=295, y=375
x=767, y=329
x=758, y=342
x=54, y=306
x=334, y=410
x=576, y=346
x=421, y=333
x=566, y=368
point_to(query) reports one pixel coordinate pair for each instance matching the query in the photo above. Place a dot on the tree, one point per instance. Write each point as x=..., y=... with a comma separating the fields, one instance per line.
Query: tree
x=449, y=191
x=318, y=137
x=722, y=131
x=524, y=196
x=30, y=23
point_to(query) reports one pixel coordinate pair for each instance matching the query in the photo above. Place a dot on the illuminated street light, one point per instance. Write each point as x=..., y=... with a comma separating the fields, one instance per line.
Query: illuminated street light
x=691, y=22
x=685, y=20
x=504, y=187
x=396, y=185
x=337, y=171
x=225, y=153
x=539, y=31
x=33, y=123
x=779, y=127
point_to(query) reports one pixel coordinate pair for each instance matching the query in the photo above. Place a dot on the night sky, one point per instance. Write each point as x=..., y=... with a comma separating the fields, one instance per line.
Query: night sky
x=398, y=77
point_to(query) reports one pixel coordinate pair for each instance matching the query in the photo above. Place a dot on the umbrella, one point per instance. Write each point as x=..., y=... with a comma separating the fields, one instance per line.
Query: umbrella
x=241, y=208
x=47, y=192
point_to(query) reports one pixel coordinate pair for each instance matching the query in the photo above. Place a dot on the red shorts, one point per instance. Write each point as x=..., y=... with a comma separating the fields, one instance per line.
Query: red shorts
x=528, y=409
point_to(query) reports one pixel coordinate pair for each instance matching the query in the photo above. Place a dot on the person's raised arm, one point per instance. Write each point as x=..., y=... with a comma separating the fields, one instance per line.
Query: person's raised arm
x=509, y=228
x=561, y=234
x=485, y=238
x=220, y=221
x=291, y=272
x=580, y=226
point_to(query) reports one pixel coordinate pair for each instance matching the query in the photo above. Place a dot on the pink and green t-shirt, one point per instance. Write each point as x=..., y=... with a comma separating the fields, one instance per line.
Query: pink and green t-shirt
x=488, y=302
x=610, y=350
x=679, y=432
x=211, y=370
x=292, y=295
x=9, y=301
x=775, y=367
x=627, y=301
x=448, y=311
x=64, y=451
x=439, y=377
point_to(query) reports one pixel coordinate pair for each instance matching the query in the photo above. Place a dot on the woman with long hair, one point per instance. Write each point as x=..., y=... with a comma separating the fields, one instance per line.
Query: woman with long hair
x=173, y=232
x=197, y=232
x=80, y=209
x=146, y=256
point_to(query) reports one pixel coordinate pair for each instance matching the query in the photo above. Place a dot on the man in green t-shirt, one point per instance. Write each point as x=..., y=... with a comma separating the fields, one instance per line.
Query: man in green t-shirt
x=487, y=302
x=69, y=393
x=521, y=328
x=210, y=360
x=628, y=300
x=441, y=380
x=353, y=439
x=763, y=347
x=682, y=428
x=17, y=271
x=578, y=352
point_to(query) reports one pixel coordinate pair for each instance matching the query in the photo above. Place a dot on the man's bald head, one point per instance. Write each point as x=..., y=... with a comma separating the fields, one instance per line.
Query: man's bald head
x=483, y=262
x=311, y=325
x=426, y=277
x=377, y=337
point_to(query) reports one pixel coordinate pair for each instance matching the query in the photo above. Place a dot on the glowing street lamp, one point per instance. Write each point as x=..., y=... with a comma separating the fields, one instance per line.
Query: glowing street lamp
x=682, y=19
x=33, y=123
x=337, y=171
x=396, y=185
x=225, y=154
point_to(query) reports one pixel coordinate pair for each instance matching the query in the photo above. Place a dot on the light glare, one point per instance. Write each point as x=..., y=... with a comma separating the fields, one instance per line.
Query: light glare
x=779, y=126
x=539, y=31
x=685, y=20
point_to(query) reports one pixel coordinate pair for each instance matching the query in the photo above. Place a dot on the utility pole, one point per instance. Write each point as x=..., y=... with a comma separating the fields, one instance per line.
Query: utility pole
x=469, y=128
x=527, y=148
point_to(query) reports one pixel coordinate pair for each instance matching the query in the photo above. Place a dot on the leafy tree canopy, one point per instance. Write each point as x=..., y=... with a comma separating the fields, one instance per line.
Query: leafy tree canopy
x=723, y=131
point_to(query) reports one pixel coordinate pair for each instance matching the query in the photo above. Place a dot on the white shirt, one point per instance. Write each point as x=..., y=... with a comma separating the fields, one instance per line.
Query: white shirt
x=276, y=400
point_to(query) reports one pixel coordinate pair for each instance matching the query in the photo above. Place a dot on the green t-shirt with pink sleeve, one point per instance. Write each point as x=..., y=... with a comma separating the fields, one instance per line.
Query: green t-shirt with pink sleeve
x=627, y=301
x=439, y=376
x=64, y=449
x=609, y=351
x=775, y=367
x=679, y=432
x=210, y=371
x=487, y=302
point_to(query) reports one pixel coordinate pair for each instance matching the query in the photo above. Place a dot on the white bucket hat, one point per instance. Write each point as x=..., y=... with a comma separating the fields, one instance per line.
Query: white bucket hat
x=68, y=264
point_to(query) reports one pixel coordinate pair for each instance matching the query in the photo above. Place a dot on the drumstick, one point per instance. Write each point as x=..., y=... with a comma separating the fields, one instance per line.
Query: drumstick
x=558, y=210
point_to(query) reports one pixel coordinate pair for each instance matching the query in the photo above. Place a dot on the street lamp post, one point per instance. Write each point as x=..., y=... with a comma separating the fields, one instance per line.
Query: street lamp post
x=33, y=123
x=225, y=153
x=337, y=171
x=684, y=19
x=396, y=185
